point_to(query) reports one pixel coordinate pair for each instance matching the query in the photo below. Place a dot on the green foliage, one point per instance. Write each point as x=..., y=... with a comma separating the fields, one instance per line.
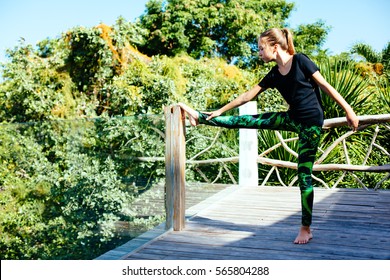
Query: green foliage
x=268, y=139
x=78, y=112
x=384, y=89
x=216, y=28
x=376, y=63
x=345, y=78
x=364, y=98
x=32, y=87
x=367, y=52
x=22, y=195
x=126, y=139
x=71, y=169
x=309, y=38
x=89, y=59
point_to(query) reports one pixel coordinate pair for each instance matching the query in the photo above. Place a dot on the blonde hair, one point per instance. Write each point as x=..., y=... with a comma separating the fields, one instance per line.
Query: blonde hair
x=282, y=37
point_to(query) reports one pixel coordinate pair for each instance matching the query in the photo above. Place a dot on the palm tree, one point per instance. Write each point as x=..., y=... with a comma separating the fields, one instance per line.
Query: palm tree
x=345, y=78
x=380, y=61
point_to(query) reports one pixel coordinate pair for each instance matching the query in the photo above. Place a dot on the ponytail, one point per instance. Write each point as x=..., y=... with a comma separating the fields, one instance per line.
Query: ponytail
x=282, y=37
x=289, y=40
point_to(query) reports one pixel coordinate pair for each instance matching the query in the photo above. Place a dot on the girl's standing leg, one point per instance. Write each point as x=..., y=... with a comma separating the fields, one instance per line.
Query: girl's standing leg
x=309, y=138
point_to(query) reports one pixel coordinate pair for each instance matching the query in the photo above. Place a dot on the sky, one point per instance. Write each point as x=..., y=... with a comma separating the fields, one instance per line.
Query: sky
x=352, y=21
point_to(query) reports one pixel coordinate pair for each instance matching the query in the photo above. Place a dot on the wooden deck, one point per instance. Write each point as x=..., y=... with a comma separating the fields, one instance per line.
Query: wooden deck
x=255, y=223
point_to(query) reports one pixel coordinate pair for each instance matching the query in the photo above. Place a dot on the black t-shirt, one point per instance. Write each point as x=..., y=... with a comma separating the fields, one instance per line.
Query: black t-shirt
x=299, y=90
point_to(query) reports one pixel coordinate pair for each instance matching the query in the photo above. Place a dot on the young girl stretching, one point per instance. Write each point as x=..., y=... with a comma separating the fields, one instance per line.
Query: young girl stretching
x=298, y=79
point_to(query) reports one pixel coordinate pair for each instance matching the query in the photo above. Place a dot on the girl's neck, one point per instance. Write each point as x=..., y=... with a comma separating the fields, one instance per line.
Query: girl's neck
x=284, y=61
x=283, y=58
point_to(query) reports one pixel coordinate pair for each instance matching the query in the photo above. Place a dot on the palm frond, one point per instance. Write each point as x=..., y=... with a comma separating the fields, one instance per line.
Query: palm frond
x=384, y=91
x=386, y=57
x=367, y=52
x=344, y=77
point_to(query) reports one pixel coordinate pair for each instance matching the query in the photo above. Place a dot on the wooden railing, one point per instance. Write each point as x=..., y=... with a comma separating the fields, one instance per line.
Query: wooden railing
x=175, y=159
x=364, y=122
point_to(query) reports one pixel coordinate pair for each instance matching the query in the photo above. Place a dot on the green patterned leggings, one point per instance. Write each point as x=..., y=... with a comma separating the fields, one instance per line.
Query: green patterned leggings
x=309, y=138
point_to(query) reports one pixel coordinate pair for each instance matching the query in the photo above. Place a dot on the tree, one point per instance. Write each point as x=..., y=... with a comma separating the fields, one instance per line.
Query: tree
x=379, y=62
x=33, y=89
x=227, y=29
x=310, y=38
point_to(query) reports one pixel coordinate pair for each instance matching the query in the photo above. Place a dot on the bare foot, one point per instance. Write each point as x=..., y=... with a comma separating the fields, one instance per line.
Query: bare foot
x=304, y=235
x=192, y=114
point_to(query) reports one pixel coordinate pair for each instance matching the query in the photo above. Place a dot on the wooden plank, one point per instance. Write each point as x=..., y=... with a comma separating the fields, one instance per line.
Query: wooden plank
x=344, y=247
x=134, y=245
x=207, y=252
x=256, y=247
x=261, y=223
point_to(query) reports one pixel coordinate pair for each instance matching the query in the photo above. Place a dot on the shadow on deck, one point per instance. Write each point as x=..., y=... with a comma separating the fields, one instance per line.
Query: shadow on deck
x=255, y=223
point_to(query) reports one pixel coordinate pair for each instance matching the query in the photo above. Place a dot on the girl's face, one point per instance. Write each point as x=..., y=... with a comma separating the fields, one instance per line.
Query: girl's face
x=266, y=52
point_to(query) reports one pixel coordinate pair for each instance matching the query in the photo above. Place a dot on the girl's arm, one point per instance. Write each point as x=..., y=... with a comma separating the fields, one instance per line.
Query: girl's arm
x=240, y=100
x=352, y=119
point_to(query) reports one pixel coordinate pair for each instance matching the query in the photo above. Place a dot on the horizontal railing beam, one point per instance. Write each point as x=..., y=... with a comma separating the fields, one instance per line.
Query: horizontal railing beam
x=326, y=167
x=363, y=120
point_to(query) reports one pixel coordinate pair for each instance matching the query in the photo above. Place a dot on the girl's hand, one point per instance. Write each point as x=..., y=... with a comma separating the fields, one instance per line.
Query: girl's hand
x=212, y=114
x=353, y=120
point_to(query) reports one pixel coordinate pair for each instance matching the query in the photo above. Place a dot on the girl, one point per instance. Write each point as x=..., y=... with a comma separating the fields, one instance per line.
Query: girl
x=298, y=79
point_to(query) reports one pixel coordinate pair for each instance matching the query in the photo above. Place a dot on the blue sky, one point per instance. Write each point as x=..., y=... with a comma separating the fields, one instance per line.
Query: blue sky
x=352, y=21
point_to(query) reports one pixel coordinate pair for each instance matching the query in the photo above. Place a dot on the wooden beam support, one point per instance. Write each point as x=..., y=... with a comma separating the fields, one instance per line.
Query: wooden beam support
x=175, y=158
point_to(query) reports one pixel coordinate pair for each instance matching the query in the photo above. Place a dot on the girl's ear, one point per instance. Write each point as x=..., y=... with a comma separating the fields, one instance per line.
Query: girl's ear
x=275, y=47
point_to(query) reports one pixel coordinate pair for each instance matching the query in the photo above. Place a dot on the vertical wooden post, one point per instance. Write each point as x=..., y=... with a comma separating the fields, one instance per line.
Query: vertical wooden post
x=248, y=168
x=175, y=158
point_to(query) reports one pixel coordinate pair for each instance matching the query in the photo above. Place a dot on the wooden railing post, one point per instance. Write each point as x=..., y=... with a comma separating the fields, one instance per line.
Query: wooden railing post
x=248, y=168
x=175, y=159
